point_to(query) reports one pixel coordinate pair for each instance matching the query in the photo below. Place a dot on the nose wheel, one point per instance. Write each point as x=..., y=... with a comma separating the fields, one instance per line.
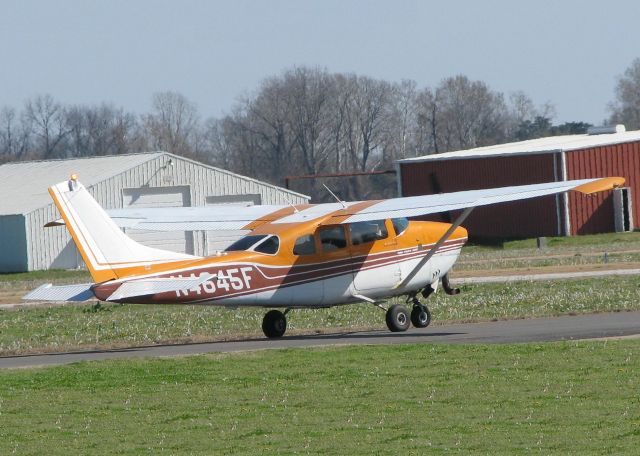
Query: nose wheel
x=420, y=315
x=398, y=318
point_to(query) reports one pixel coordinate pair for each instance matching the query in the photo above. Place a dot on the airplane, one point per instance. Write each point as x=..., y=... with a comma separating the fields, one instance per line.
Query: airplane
x=292, y=257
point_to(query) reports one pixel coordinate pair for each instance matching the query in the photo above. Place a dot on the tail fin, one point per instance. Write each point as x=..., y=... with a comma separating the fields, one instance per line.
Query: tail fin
x=105, y=249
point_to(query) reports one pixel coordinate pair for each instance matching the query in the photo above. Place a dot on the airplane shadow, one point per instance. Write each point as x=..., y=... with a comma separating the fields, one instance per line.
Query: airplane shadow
x=370, y=335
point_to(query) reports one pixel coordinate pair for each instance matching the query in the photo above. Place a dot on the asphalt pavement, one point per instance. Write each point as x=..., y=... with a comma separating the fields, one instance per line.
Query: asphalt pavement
x=513, y=331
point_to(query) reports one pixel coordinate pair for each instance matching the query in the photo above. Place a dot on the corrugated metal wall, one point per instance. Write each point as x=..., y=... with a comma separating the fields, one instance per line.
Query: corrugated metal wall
x=594, y=213
x=532, y=218
x=46, y=246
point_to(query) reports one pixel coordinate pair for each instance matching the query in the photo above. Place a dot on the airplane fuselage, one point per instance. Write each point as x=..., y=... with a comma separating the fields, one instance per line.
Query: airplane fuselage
x=391, y=265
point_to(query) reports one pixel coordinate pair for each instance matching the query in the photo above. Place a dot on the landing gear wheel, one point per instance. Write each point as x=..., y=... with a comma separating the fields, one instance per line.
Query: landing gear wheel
x=274, y=324
x=397, y=318
x=420, y=316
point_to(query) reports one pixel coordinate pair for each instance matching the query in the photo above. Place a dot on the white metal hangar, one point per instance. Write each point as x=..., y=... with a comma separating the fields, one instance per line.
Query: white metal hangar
x=157, y=179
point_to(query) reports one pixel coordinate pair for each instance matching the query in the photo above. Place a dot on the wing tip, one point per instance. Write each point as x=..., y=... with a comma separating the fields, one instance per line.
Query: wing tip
x=606, y=183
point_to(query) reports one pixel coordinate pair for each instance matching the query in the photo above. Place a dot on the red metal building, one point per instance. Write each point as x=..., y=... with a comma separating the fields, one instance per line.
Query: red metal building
x=615, y=152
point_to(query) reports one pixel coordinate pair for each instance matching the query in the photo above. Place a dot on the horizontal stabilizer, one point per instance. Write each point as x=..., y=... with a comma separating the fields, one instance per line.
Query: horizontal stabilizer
x=146, y=287
x=48, y=292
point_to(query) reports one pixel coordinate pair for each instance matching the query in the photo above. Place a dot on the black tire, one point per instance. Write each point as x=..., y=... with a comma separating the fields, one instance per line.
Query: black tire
x=274, y=324
x=420, y=316
x=397, y=318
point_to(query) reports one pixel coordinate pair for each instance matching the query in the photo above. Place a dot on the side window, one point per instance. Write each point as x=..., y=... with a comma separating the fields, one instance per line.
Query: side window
x=333, y=239
x=269, y=246
x=363, y=232
x=305, y=245
x=399, y=225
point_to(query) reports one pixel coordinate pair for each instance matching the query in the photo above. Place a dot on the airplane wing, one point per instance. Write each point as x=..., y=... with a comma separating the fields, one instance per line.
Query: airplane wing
x=444, y=202
x=231, y=217
x=222, y=217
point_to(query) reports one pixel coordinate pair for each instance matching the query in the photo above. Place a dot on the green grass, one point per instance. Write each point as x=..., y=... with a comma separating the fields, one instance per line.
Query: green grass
x=603, y=240
x=556, y=398
x=52, y=275
x=538, y=260
x=71, y=327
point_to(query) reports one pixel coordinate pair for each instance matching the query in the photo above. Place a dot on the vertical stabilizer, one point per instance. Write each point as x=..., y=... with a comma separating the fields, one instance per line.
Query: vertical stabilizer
x=106, y=250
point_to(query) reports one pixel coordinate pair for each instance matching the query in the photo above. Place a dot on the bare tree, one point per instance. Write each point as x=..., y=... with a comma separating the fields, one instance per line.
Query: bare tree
x=173, y=124
x=626, y=107
x=14, y=135
x=101, y=130
x=427, y=123
x=402, y=126
x=310, y=93
x=47, y=120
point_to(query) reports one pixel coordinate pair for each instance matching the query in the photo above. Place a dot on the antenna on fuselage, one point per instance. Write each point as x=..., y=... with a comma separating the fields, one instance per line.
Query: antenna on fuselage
x=295, y=209
x=344, y=206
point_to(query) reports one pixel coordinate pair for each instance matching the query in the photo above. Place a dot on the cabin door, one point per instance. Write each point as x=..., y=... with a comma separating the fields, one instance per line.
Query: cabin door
x=375, y=256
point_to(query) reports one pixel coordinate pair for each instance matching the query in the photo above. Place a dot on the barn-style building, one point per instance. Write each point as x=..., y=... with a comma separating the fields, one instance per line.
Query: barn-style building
x=603, y=152
x=136, y=180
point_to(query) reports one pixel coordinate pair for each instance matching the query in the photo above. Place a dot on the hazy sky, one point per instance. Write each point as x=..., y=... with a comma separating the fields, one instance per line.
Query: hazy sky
x=566, y=52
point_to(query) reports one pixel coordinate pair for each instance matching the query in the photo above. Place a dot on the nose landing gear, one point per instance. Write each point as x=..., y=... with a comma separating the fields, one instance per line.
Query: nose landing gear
x=420, y=315
x=398, y=318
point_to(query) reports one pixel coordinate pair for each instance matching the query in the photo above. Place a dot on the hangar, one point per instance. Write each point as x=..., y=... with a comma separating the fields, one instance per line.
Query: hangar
x=602, y=152
x=134, y=180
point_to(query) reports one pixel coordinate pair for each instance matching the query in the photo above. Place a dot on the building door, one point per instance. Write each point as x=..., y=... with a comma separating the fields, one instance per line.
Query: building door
x=177, y=196
x=623, y=216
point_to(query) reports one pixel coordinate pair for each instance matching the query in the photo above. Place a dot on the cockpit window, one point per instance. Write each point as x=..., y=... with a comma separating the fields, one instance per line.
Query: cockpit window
x=399, y=225
x=270, y=246
x=262, y=243
x=245, y=243
x=305, y=245
x=364, y=232
x=332, y=238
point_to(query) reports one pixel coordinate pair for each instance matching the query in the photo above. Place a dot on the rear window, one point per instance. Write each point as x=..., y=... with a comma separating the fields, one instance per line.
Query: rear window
x=245, y=243
x=270, y=246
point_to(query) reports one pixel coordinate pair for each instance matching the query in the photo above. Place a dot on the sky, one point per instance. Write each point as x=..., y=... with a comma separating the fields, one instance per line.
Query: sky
x=569, y=53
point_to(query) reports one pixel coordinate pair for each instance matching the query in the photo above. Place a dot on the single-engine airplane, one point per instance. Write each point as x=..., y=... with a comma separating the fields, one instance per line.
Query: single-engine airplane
x=293, y=257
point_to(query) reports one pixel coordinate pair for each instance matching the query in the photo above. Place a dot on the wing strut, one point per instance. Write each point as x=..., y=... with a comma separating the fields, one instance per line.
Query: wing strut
x=461, y=218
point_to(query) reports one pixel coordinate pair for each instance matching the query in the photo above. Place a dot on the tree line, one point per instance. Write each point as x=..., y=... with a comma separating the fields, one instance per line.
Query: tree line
x=304, y=121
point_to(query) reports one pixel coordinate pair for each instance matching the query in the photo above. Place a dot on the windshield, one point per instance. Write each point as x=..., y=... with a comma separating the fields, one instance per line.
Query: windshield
x=245, y=243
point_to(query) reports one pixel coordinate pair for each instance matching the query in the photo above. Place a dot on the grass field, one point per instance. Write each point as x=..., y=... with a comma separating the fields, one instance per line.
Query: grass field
x=555, y=398
x=615, y=241
x=111, y=325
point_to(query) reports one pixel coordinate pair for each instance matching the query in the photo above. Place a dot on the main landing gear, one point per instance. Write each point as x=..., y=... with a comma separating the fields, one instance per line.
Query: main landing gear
x=398, y=318
x=274, y=323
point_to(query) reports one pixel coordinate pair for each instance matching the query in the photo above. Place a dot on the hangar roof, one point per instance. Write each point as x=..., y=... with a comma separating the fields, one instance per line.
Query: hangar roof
x=550, y=144
x=23, y=185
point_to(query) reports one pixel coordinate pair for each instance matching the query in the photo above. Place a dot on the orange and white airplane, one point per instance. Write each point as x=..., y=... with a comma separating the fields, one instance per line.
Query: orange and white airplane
x=304, y=256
